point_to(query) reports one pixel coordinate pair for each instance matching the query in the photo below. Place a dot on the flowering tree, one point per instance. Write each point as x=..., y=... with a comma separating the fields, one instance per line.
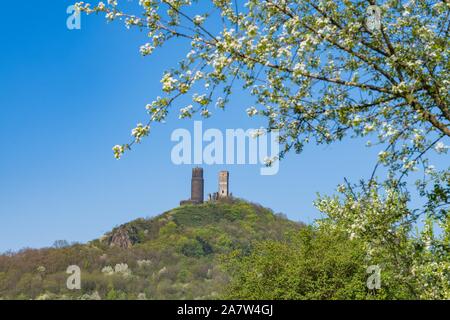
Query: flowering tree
x=317, y=69
x=318, y=72
x=418, y=260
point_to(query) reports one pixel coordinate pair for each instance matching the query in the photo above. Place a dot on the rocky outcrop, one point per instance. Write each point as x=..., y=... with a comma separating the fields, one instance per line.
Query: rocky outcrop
x=120, y=238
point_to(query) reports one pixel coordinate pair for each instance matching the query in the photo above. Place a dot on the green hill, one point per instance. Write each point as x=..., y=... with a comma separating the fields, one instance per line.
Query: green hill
x=176, y=255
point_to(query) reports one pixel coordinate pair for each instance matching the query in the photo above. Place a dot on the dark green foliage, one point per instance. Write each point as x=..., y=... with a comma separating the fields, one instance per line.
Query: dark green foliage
x=312, y=264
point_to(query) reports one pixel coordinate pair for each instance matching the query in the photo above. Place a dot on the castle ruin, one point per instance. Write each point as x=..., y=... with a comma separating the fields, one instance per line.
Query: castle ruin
x=197, y=187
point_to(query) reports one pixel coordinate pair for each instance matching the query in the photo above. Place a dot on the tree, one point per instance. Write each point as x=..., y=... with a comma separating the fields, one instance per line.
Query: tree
x=381, y=223
x=314, y=66
x=314, y=264
x=334, y=258
x=60, y=244
x=316, y=70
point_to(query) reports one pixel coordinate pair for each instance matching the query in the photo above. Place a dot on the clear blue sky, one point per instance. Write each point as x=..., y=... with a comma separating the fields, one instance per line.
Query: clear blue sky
x=66, y=97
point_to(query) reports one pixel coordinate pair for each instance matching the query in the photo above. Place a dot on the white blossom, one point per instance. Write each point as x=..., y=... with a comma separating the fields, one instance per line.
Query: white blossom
x=440, y=147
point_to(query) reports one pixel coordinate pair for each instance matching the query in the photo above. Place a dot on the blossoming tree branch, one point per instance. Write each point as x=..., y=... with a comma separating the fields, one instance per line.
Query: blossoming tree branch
x=315, y=69
x=317, y=72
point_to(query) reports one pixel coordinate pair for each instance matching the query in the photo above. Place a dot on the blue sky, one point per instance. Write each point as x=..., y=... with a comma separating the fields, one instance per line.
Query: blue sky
x=66, y=97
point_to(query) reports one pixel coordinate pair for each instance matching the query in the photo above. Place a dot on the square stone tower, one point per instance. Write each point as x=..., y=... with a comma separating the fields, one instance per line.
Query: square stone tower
x=224, y=188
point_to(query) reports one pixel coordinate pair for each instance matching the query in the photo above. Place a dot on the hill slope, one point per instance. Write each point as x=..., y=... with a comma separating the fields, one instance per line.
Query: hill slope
x=175, y=255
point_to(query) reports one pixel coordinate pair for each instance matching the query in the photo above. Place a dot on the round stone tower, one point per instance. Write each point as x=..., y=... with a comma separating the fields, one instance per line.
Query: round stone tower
x=197, y=185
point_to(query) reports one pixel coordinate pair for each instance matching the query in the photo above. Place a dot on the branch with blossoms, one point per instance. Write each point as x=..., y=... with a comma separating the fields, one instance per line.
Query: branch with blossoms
x=317, y=73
